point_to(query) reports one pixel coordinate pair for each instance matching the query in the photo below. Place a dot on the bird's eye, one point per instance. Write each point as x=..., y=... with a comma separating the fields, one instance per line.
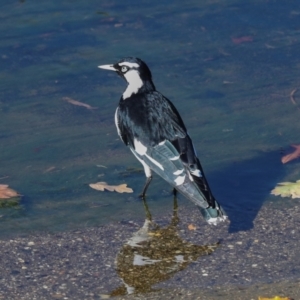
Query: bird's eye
x=124, y=69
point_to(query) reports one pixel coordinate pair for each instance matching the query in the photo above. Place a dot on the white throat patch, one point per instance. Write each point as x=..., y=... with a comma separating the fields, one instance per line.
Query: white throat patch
x=134, y=83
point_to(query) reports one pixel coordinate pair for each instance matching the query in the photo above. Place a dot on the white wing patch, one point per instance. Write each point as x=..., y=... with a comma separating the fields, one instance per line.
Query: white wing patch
x=142, y=149
x=146, y=167
x=134, y=83
x=196, y=173
x=179, y=180
x=139, y=147
x=190, y=176
x=217, y=220
x=155, y=162
x=178, y=172
x=175, y=157
x=117, y=122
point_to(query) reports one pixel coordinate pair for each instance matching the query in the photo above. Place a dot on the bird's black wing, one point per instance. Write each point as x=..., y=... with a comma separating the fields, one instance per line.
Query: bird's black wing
x=150, y=118
x=164, y=160
x=191, y=162
x=152, y=127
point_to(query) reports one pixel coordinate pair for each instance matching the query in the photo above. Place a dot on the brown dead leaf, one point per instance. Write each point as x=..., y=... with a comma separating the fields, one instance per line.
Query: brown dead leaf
x=192, y=227
x=6, y=192
x=101, y=186
x=292, y=155
x=287, y=189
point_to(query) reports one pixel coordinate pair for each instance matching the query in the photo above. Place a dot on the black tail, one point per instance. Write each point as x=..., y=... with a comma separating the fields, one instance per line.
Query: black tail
x=214, y=215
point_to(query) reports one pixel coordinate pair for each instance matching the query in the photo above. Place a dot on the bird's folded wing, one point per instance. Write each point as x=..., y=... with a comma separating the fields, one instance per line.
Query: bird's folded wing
x=190, y=160
x=165, y=160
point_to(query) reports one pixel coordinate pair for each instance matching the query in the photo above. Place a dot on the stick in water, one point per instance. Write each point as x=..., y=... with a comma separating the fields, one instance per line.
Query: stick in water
x=78, y=103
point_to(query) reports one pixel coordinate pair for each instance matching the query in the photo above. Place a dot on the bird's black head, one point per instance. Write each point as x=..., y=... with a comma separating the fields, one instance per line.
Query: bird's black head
x=135, y=72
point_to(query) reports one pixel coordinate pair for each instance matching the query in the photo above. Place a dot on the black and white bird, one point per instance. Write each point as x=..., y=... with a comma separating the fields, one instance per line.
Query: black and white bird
x=150, y=125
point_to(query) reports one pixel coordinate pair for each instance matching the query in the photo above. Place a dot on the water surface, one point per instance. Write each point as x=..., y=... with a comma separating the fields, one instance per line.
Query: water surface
x=228, y=66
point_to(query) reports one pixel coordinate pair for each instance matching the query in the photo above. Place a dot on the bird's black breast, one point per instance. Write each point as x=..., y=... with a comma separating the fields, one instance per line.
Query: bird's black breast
x=149, y=117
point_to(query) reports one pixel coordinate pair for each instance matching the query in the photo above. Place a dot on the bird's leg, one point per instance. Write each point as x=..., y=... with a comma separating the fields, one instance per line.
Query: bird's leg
x=148, y=214
x=175, y=219
x=174, y=192
x=143, y=193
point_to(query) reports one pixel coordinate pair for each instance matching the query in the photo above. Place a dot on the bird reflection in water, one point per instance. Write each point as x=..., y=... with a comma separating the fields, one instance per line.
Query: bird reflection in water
x=154, y=254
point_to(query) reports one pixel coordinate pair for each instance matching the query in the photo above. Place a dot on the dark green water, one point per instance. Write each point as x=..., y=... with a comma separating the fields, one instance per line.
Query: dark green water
x=233, y=96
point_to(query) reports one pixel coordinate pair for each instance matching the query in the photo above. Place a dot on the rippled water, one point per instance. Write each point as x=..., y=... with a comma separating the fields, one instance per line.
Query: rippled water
x=228, y=66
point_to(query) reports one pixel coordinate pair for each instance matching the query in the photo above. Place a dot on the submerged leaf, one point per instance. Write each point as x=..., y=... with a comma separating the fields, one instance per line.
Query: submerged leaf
x=101, y=186
x=6, y=192
x=287, y=189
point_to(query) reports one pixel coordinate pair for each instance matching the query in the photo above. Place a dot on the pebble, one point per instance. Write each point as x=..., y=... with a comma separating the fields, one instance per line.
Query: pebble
x=68, y=271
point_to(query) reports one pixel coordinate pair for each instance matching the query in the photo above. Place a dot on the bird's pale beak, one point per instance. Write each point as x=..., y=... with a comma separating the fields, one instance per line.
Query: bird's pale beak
x=108, y=67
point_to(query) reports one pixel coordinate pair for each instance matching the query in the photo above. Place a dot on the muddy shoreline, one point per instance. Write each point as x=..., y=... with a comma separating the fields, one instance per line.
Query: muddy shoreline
x=86, y=264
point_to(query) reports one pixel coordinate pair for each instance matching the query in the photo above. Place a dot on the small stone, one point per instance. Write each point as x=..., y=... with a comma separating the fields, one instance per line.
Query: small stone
x=57, y=296
x=30, y=243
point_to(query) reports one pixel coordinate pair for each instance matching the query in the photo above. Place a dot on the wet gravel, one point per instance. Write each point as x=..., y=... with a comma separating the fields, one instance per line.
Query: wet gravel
x=81, y=264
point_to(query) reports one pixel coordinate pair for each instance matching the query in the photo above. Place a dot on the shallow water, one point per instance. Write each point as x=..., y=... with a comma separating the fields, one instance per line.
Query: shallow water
x=228, y=66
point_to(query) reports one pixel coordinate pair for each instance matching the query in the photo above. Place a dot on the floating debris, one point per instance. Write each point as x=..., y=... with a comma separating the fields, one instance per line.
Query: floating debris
x=6, y=192
x=50, y=169
x=101, y=166
x=292, y=96
x=287, y=189
x=101, y=186
x=8, y=196
x=285, y=159
x=78, y=103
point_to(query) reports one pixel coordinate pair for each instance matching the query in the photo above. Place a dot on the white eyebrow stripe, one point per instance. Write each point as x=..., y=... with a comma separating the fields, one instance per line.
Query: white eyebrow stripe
x=129, y=65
